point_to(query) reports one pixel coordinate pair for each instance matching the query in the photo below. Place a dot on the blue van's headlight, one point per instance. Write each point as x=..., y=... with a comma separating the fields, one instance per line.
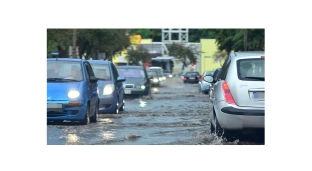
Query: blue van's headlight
x=73, y=94
x=108, y=89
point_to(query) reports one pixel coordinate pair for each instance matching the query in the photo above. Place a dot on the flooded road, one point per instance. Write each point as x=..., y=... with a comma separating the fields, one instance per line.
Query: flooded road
x=177, y=114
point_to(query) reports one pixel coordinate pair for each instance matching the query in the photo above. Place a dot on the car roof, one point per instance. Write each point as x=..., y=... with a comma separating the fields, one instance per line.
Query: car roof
x=155, y=68
x=65, y=59
x=246, y=54
x=152, y=71
x=98, y=62
x=134, y=67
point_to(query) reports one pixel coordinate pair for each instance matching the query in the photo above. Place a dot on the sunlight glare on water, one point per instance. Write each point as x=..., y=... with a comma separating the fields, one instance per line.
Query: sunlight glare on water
x=72, y=138
x=108, y=135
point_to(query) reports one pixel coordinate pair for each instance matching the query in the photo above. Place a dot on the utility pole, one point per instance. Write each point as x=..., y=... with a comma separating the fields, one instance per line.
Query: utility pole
x=74, y=42
x=245, y=39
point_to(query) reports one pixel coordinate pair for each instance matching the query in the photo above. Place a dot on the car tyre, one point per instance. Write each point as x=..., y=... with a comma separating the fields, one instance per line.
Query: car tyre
x=227, y=134
x=117, y=108
x=94, y=118
x=86, y=119
x=123, y=106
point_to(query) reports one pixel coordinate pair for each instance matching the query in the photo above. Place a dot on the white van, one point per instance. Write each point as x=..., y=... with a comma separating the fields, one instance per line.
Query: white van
x=160, y=70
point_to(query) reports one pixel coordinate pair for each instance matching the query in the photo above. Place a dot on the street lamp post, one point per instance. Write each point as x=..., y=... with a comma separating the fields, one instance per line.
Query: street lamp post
x=74, y=42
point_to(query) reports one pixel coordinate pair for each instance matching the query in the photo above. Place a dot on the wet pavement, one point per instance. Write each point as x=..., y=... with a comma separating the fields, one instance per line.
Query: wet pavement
x=177, y=114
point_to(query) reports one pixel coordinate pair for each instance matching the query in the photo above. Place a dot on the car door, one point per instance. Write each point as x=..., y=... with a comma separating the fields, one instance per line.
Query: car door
x=118, y=85
x=91, y=88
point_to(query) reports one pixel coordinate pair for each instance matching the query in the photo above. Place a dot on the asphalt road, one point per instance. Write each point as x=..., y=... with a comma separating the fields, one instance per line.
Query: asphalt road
x=177, y=114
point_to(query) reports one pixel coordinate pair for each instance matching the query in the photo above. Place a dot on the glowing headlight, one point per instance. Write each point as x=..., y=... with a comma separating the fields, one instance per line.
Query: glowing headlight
x=160, y=79
x=108, y=89
x=163, y=78
x=73, y=94
x=142, y=86
x=170, y=75
x=97, y=90
x=155, y=80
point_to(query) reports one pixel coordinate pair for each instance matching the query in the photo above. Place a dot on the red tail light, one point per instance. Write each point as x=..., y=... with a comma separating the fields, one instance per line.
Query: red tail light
x=227, y=93
x=198, y=79
x=202, y=78
x=184, y=78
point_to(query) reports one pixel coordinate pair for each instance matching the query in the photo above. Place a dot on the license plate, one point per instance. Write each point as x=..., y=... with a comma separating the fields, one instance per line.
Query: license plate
x=127, y=91
x=258, y=95
x=55, y=107
x=192, y=78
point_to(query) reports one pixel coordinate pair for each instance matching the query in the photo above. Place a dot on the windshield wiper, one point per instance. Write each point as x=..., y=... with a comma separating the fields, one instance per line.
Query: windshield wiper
x=60, y=79
x=54, y=79
x=256, y=78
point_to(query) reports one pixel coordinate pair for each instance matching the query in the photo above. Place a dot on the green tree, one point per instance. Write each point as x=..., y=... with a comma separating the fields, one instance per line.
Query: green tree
x=145, y=33
x=59, y=40
x=233, y=39
x=219, y=56
x=184, y=53
x=90, y=41
x=154, y=34
x=135, y=56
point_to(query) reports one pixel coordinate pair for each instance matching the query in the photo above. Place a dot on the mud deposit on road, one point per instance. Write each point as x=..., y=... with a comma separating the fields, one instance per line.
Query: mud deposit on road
x=177, y=114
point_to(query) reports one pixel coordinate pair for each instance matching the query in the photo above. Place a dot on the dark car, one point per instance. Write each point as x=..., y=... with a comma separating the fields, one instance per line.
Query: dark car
x=215, y=79
x=191, y=77
x=137, y=81
x=110, y=84
x=156, y=79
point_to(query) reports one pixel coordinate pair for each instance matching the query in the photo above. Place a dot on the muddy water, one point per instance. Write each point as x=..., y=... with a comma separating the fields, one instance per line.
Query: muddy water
x=175, y=115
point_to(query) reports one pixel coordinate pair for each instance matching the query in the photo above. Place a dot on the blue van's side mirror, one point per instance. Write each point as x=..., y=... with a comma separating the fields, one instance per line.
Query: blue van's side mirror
x=93, y=79
x=121, y=79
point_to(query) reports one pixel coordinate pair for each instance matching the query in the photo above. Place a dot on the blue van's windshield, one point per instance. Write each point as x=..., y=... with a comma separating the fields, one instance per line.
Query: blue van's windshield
x=101, y=71
x=64, y=70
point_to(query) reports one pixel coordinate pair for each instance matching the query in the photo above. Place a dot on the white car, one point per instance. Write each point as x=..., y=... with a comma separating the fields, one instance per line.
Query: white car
x=238, y=95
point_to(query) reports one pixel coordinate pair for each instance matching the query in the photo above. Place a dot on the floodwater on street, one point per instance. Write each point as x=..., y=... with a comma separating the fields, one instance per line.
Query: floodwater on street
x=177, y=114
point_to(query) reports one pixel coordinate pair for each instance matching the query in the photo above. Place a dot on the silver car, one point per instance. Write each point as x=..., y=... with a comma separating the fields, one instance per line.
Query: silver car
x=238, y=95
x=204, y=86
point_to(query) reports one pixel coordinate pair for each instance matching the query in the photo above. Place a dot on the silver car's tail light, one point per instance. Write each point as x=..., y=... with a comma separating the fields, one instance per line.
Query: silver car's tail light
x=227, y=93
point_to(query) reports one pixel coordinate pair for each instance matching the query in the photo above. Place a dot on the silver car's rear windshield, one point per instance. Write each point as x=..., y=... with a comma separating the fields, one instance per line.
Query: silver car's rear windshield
x=251, y=69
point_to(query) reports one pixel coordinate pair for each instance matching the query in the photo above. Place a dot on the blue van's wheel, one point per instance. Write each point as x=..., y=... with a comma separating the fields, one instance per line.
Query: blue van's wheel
x=122, y=108
x=94, y=117
x=116, y=108
x=86, y=119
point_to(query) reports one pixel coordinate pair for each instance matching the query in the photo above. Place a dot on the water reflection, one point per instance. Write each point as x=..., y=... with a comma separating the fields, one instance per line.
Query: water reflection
x=72, y=138
x=142, y=103
x=155, y=90
x=105, y=120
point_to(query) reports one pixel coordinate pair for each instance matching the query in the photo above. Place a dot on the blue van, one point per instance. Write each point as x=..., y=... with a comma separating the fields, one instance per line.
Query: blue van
x=72, y=91
x=111, y=90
